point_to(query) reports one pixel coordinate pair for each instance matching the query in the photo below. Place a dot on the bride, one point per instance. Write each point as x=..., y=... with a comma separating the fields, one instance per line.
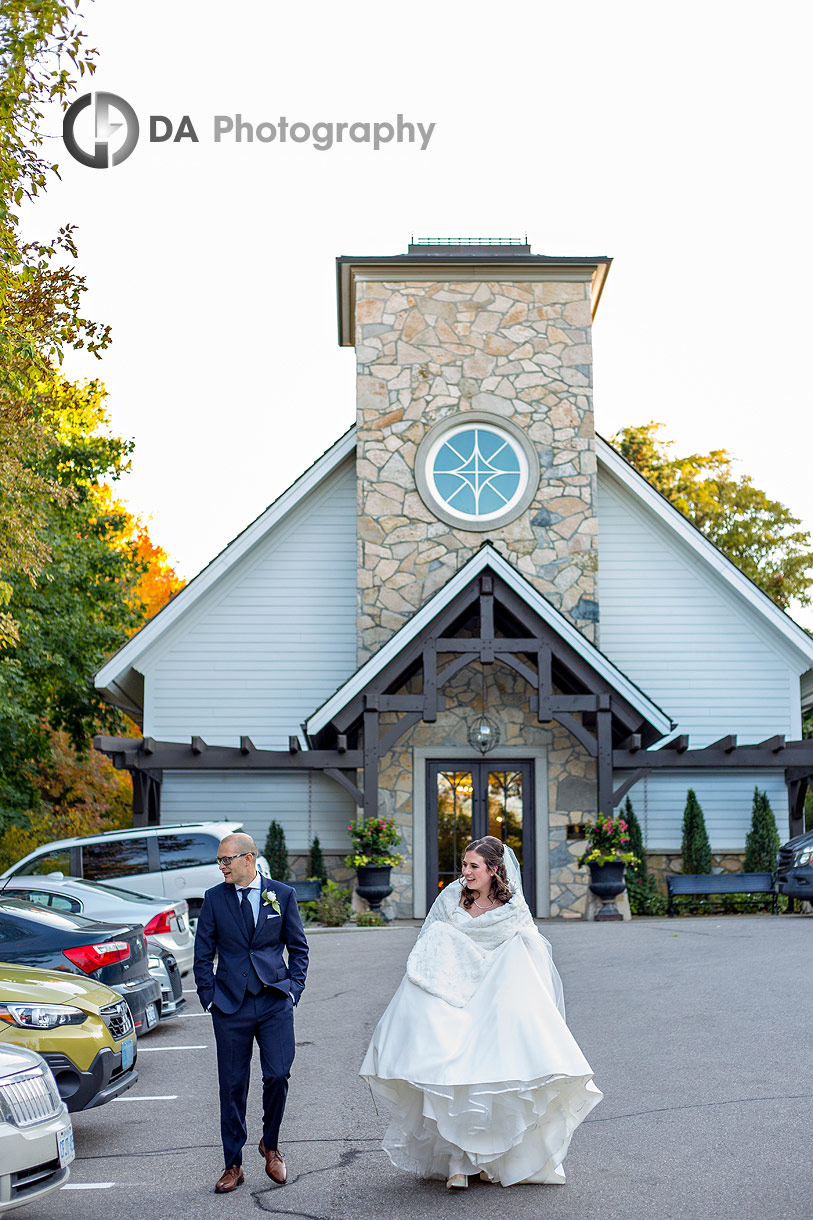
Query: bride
x=472, y=1055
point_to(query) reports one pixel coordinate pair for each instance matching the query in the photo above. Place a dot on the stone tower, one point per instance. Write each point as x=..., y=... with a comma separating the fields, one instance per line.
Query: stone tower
x=475, y=421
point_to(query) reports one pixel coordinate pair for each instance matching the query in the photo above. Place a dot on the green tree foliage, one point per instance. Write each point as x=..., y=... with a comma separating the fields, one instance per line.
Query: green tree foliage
x=762, y=840
x=41, y=57
x=642, y=888
x=276, y=852
x=695, y=847
x=316, y=861
x=636, y=838
x=761, y=536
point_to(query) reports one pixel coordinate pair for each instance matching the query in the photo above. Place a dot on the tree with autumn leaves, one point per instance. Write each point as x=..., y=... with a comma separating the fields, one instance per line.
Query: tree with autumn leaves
x=78, y=573
x=760, y=535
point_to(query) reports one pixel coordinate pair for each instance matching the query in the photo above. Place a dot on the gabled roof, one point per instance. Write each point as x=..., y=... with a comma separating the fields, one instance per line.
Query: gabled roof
x=114, y=679
x=710, y=554
x=488, y=558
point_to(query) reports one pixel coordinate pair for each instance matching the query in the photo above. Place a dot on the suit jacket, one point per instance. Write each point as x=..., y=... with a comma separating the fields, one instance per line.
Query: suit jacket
x=222, y=931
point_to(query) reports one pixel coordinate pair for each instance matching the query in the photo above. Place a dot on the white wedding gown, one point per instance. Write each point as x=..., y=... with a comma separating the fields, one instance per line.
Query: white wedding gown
x=472, y=1055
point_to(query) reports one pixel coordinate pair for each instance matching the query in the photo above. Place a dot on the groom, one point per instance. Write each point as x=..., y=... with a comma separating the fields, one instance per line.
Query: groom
x=248, y=921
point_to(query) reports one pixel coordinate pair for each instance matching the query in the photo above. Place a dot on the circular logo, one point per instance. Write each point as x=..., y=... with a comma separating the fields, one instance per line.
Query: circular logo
x=99, y=129
x=476, y=472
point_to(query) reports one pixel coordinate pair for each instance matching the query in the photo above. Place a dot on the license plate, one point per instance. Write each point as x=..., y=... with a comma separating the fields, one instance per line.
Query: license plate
x=127, y=1053
x=151, y=1015
x=65, y=1147
x=181, y=923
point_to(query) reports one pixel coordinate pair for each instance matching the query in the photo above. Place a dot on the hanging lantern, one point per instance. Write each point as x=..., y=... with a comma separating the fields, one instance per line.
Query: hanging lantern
x=484, y=734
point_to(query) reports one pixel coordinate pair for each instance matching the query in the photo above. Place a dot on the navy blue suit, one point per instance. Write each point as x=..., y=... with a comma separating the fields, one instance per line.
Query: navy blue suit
x=252, y=995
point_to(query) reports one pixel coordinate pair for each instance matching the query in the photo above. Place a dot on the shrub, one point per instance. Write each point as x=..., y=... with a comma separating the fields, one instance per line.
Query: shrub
x=276, y=853
x=333, y=908
x=636, y=842
x=762, y=841
x=370, y=919
x=316, y=863
x=695, y=847
x=644, y=895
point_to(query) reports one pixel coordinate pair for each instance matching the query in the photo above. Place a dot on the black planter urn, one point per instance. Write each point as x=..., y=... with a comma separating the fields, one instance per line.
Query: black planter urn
x=607, y=882
x=373, y=884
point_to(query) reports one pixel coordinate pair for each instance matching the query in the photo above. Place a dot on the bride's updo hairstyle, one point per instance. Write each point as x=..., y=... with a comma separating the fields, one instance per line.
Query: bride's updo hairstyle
x=492, y=852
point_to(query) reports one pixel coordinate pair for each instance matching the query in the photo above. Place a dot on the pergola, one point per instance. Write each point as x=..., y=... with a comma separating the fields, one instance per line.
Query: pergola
x=487, y=613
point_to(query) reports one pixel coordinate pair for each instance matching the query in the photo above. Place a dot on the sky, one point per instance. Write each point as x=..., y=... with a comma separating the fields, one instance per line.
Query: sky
x=673, y=138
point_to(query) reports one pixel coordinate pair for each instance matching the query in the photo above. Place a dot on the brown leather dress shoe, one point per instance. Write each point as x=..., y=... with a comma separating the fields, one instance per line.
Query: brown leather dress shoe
x=230, y=1179
x=274, y=1164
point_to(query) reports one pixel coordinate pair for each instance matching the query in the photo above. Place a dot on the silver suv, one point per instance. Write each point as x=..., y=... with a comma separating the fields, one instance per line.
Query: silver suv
x=168, y=861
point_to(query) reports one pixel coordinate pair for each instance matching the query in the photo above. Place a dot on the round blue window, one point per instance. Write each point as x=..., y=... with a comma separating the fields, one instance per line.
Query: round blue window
x=477, y=471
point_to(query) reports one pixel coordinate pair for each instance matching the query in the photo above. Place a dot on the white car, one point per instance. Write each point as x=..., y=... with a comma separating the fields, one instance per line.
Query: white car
x=165, y=923
x=167, y=861
x=36, y=1137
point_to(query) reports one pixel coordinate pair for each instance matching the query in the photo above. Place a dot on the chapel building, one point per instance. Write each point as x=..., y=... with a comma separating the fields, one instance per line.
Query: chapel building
x=470, y=614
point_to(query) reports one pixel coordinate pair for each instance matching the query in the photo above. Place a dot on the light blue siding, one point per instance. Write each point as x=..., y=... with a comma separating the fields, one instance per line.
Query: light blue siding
x=724, y=797
x=696, y=648
x=270, y=641
x=257, y=798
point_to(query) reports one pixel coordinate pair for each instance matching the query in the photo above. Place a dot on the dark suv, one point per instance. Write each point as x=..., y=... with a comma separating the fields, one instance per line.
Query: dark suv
x=794, y=868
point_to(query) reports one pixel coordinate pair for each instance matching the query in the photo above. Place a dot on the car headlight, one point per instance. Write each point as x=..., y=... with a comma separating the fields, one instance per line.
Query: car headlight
x=41, y=1016
x=803, y=857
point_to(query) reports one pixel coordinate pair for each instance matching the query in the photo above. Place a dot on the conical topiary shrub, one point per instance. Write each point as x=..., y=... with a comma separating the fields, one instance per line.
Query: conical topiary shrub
x=636, y=840
x=762, y=840
x=695, y=847
x=276, y=852
x=316, y=862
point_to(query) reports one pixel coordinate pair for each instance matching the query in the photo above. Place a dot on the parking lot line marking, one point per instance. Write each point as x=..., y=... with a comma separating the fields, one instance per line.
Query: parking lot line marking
x=165, y=1097
x=199, y=1046
x=88, y=1185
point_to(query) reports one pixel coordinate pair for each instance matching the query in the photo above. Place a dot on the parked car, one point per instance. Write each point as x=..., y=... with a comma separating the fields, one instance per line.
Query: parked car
x=167, y=861
x=166, y=924
x=164, y=969
x=114, y=954
x=36, y=1138
x=82, y=1029
x=794, y=868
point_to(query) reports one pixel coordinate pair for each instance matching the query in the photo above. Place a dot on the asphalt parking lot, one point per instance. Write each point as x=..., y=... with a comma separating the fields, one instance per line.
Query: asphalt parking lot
x=698, y=1030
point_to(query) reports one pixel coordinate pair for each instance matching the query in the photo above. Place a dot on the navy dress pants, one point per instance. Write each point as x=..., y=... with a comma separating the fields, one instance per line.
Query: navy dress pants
x=267, y=1018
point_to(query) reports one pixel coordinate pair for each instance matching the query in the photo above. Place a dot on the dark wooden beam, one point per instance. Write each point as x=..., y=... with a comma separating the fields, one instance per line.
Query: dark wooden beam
x=518, y=666
x=387, y=740
x=198, y=745
x=341, y=743
x=400, y=703
x=630, y=782
x=370, y=804
x=293, y=745
x=774, y=744
x=544, y=683
x=346, y=782
x=127, y=752
x=727, y=743
x=430, y=682
x=631, y=743
x=579, y=732
x=794, y=754
x=148, y=745
x=246, y=745
x=679, y=744
x=604, y=762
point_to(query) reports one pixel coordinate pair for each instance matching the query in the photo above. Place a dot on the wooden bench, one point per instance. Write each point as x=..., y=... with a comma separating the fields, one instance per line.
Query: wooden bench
x=719, y=883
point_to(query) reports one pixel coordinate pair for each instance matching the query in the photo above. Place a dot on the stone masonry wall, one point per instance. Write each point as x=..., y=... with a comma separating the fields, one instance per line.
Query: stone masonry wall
x=520, y=351
x=571, y=777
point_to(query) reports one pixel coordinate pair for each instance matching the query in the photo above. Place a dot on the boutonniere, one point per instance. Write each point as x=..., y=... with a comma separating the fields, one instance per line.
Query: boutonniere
x=270, y=900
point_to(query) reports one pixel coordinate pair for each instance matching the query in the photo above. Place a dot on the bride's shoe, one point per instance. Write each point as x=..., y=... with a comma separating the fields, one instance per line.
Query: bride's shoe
x=484, y=1176
x=458, y=1181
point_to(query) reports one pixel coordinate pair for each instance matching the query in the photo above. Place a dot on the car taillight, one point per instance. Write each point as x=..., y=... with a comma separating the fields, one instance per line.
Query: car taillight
x=92, y=957
x=159, y=923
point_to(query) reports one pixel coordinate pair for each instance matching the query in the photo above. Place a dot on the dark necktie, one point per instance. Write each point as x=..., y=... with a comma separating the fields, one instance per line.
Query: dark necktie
x=248, y=914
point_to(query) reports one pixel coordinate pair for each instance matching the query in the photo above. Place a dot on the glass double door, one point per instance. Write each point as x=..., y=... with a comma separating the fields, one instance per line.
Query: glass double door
x=467, y=800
